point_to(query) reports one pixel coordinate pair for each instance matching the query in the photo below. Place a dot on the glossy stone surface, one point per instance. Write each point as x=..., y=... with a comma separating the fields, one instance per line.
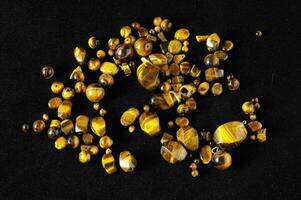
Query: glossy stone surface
x=189, y=137
x=81, y=123
x=106, y=80
x=182, y=34
x=129, y=116
x=77, y=74
x=98, y=126
x=109, y=68
x=64, y=110
x=217, y=89
x=68, y=93
x=173, y=152
x=148, y=76
x=206, y=154
x=67, y=126
x=182, y=122
x=54, y=102
x=166, y=137
x=127, y=161
x=60, y=143
x=80, y=55
x=150, y=123
x=57, y=87
x=38, y=126
x=95, y=93
x=261, y=135
x=158, y=59
x=212, y=42
x=94, y=64
x=203, y=88
x=108, y=163
x=174, y=46
x=124, y=52
x=105, y=142
x=254, y=125
x=222, y=160
x=47, y=71
x=211, y=60
x=227, y=45
x=143, y=46
x=213, y=74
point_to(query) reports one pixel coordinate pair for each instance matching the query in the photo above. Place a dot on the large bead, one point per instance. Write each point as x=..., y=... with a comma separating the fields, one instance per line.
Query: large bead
x=143, y=46
x=64, y=110
x=213, y=73
x=129, y=116
x=109, y=68
x=222, y=160
x=81, y=123
x=108, y=163
x=182, y=34
x=206, y=154
x=127, y=161
x=98, y=126
x=173, y=152
x=95, y=93
x=124, y=52
x=230, y=134
x=148, y=76
x=150, y=123
x=189, y=137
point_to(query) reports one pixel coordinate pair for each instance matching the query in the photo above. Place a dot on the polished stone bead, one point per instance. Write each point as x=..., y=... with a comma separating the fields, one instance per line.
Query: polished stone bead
x=108, y=163
x=213, y=73
x=148, y=76
x=217, y=89
x=201, y=38
x=189, y=137
x=182, y=121
x=179, y=58
x=194, y=173
x=254, y=125
x=113, y=43
x=80, y=55
x=124, y=52
x=165, y=87
x=101, y=54
x=87, y=138
x=94, y=64
x=125, y=31
x=158, y=59
x=211, y=60
x=261, y=135
x=54, y=123
x=25, y=128
x=222, y=160
x=174, y=69
x=162, y=37
x=143, y=46
x=206, y=154
x=73, y=141
x=77, y=74
x=166, y=25
x=38, y=126
x=47, y=71
x=203, y=88
x=68, y=93
x=157, y=21
x=127, y=161
x=166, y=138
x=150, y=123
x=173, y=152
x=182, y=109
x=53, y=132
x=93, y=42
x=80, y=87
x=185, y=68
x=84, y=157
x=109, y=68
x=182, y=34
x=187, y=90
x=98, y=126
x=64, y=110
x=95, y=93
x=195, y=71
x=130, y=40
x=233, y=84
x=54, y=102
x=221, y=55
x=228, y=45
x=248, y=107
x=212, y=42
x=91, y=149
x=258, y=33
x=81, y=123
x=174, y=46
x=105, y=142
x=191, y=103
x=60, y=143
x=67, y=126
x=129, y=116
x=57, y=87
x=45, y=117
x=103, y=112
x=106, y=80
x=230, y=134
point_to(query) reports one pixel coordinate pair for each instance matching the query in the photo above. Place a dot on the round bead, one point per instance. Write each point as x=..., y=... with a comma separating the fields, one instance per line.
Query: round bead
x=84, y=157
x=47, y=71
x=68, y=93
x=87, y=138
x=166, y=25
x=211, y=60
x=105, y=142
x=53, y=132
x=80, y=87
x=25, y=128
x=125, y=31
x=100, y=54
x=132, y=128
x=113, y=43
x=93, y=42
x=174, y=46
x=60, y=143
x=124, y=52
x=143, y=46
x=95, y=93
x=135, y=25
x=182, y=34
x=109, y=68
x=194, y=173
x=228, y=45
x=102, y=112
x=248, y=107
x=258, y=33
x=222, y=160
x=94, y=64
x=217, y=89
x=80, y=55
x=233, y=84
x=57, y=87
x=38, y=126
x=157, y=21
x=73, y=141
x=106, y=80
x=45, y=117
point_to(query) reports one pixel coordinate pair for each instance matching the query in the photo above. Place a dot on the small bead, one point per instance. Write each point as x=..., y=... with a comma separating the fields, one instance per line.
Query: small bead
x=157, y=21
x=166, y=25
x=182, y=34
x=194, y=173
x=228, y=45
x=25, y=128
x=47, y=71
x=109, y=68
x=186, y=43
x=221, y=55
x=127, y=161
x=261, y=135
x=182, y=121
x=248, y=107
x=53, y=133
x=96, y=106
x=222, y=160
x=80, y=55
x=132, y=128
x=105, y=142
x=103, y=112
x=193, y=166
x=93, y=42
x=67, y=126
x=252, y=137
x=57, y=87
x=95, y=93
x=87, y=138
x=170, y=124
x=113, y=43
x=45, y=117
x=38, y=126
x=73, y=141
x=258, y=33
x=101, y=54
x=60, y=143
x=80, y=87
x=129, y=116
x=252, y=116
x=217, y=89
x=124, y=52
x=201, y=38
x=125, y=31
x=174, y=46
x=212, y=42
x=233, y=84
x=185, y=68
x=135, y=25
x=146, y=108
x=211, y=60
x=84, y=157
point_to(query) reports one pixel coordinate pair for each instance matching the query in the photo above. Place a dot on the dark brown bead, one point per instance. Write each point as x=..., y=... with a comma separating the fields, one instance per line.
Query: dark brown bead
x=124, y=52
x=53, y=133
x=47, y=71
x=25, y=128
x=135, y=25
x=233, y=84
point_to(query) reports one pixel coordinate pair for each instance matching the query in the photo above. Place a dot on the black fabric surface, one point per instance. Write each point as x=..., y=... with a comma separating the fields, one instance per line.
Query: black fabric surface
x=34, y=33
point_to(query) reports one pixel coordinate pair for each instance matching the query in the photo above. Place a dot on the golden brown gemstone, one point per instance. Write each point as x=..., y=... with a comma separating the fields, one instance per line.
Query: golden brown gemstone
x=105, y=142
x=129, y=116
x=84, y=157
x=109, y=68
x=185, y=68
x=213, y=73
x=182, y=121
x=54, y=123
x=201, y=38
x=166, y=138
x=248, y=107
x=125, y=31
x=255, y=125
x=80, y=87
x=127, y=161
x=95, y=93
x=179, y=58
x=96, y=106
x=158, y=59
x=77, y=74
x=64, y=110
x=45, y=117
x=203, y=88
x=91, y=149
x=182, y=109
x=93, y=42
x=217, y=89
x=233, y=84
x=174, y=46
x=57, y=87
x=211, y=60
x=148, y=76
x=80, y=55
x=191, y=103
x=100, y=54
x=124, y=52
x=157, y=21
x=73, y=141
x=213, y=42
x=159, y=101
x=102, y=112
x=106, y=80
x=261, y=135
x=60, y=143
x=222, y=160
x=206, y=154
x=94, y=64
x=81, y=123
x=113, y=43
x=165, y=87
x=182, y=34
x=173, y=152
x=221, y=55
x=150, y=123
x=87, y=138
x=195, y=71
x=98, y=126
x=108, y=163
x=174, y=69
x=189, y=137
x=67, y=126
x=230, y=134
x=187, y=90
x=54, y=102
x=252, y=116
x=38, y=126
x=166, y=25
x=68, y=93
x=132, y=129
x=252, y=137
x=228, y=45
x=194, y=173
x=143, y=46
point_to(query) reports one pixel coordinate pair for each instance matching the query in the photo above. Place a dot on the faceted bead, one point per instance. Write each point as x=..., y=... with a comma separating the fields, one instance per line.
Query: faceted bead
x=211, y=60
x=179, y=58
x=57, y=87
x=217, y=89
x=64, y=110
x=105, y=142
x=55, y=123
x=158, y=59
x=248, y=107
x=93, y=42
x=189, y=137
x=173, y=152
x=201, y=38
x=222, y=160
x=68, y=93
x=73, y=141
x=182, y=121
x=212, y=42
x=221, y=55
x=25, y=128
x=108, y=163
x=261, y=135
x=98, y=126
x=182, y=109
x=53, y=133
x=84, y=157
x=60, y=143
x=77, y=74
x=54, y=102
x=81, y=123
x=127, y=161
x=203, y=88
x=47, y=71
x=206, y=154
x=230, y=134
x=124, y=52
x=125, y=31
x=38, y=126
x=228, y=45
x=87, y=138
x=148, y=76
x=143, y=46
x=95, y=93
x=67, y=126
x=187, y=90
x=182, y=34
x=195, y=71
x=174, y=46
x=106, y=80
x=185, y=68
x=174, y=69
x=150, y=123
x=80, y=87
x=233, y=84
x=166, y=138
x=101, y=54
x=213, y=73
x=166, y=25
x=94, y=64
x=129, y=116
x=255, y=125
x=191, y=103
x=109, y=68
x=113, y=43
x=80, y=55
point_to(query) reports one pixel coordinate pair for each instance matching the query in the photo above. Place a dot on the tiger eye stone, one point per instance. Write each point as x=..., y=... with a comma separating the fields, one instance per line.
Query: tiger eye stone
x=109, y=68
x=77, y=74
x=38, y=126
x=127, y=161
x=195, y=71
x=113, y=43
x=68, y=93
x=248, y=107
x=47, y=71
x=213, y=74
x=233, y=84
x=81, y=123
x=166, y=25
x=166, y=138
x=159, y=101
x=221, y=55
x=91, y=149
x=57, y=87
x=94, y=64
x=105, y=142
x=124, y=52
x=206, y=154
x=222, y=160
x=108, y=163
x=87, y=138
x=261, y=135
x=173, y=152
x=93, y=42
x=254, y=125
x=179, y=58
x=106, y=80
x=54, y=123
x=129, y=116
x=150, y=123
x=143, y=46
x=148, y=76
x=95, y=93
x=182, y=34
x=84, y=157
x=60, y=143
x=54, y=103
x=211, y=60
x=212, y=42
x=185, y=68
x=230, y=134
x=98, y=126
x=217, y=89
x=53, y=133
x=80, y=55
x=101, y=54
x=201, y=38
x=174, y=46
x=73, y=141
x=182, y=109
x=189, y=137
x=203, y=88
x=191, y=103
x=125, y=31
x=182, y=121
x=67, y=126
x=228, y=45
x=80, y=87
x=158, y=59
x=64, y=110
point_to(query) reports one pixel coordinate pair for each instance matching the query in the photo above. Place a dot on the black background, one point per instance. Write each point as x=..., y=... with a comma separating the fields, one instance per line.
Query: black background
x=34, y=33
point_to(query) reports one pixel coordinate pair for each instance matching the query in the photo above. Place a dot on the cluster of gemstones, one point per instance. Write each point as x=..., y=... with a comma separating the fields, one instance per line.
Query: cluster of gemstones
x=159, y=58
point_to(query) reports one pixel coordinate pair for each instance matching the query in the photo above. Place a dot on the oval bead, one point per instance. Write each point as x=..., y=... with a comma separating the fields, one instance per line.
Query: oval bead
x=222, y=160
x=95, y=93
x=129, y=116
x=109, y=68
x=64, y=110
x=206, y=154
x=148, y=76
x=173, y=152
x=127, y=161
x=98, y=126
x=182, y=34
x=150, y=123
